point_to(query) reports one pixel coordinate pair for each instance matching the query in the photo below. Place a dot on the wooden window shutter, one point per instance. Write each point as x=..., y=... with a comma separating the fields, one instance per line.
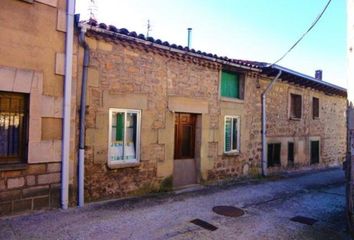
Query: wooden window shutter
x=295, y=106
x=241, y=86
x=230, y=85
x=120, y=127
x=315, y=108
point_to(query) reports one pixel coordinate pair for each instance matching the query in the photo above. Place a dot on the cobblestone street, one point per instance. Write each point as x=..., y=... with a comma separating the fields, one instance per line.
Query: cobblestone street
x=268, y=204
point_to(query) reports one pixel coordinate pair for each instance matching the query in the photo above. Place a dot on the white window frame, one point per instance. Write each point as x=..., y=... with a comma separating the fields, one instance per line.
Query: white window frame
x=238, y=134
x=125, y=111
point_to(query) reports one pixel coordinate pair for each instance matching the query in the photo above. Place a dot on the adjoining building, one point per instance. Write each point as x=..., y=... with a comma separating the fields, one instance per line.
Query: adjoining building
x=32, y=53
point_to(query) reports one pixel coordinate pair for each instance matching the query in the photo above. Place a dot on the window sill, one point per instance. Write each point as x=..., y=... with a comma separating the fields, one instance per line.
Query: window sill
x=235, y=100
x=230, y=154
x=295, y=119
x=13, y=166
x=123, y=165
x=316, y=118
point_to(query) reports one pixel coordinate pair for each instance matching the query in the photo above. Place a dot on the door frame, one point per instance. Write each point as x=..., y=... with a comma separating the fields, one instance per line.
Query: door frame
x=196, y=135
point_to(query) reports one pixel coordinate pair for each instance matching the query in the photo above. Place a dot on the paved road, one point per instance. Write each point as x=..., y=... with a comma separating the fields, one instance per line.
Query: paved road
x=268, y=205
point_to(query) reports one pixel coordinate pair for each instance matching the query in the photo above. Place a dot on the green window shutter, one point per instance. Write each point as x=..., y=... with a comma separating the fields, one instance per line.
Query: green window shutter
x=120, y=127
x=230, y=85
x=228, y=134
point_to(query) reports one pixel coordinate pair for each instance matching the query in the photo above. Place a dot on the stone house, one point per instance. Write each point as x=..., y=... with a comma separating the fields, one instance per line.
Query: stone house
x=157, y=116
x=161, y=115
x=31, y=103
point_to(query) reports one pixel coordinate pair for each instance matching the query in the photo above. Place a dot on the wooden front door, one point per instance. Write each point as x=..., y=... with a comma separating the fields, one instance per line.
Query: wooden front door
x=184, y=172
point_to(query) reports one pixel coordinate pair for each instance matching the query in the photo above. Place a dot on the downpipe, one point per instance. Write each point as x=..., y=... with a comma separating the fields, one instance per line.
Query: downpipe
x=264, y=125
x=70, y=11
x=81, y=163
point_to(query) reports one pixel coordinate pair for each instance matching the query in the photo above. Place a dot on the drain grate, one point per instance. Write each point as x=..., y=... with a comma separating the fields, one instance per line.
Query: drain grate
x=303, y=220
x=204, y=224
x=228, y=211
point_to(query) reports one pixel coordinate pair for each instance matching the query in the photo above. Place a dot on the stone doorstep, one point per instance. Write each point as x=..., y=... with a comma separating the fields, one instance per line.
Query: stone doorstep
x=189, y=188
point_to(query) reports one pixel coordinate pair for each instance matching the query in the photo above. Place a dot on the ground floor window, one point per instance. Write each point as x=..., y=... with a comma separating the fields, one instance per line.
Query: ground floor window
x=13, y=127
x=124, y=135
x=290, y=153
x=232, y=134
x=273, y=154
x=315, y=151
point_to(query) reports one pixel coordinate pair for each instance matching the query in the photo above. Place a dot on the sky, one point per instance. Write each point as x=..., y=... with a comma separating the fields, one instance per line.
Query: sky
x=259, y=30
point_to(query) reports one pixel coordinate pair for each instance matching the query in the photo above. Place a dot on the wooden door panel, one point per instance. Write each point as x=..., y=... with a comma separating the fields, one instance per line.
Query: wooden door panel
x=184, y=168
x=184, y=135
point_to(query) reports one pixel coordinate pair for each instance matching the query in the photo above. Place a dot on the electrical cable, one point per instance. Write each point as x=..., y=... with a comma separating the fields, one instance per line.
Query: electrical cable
x=303, y=35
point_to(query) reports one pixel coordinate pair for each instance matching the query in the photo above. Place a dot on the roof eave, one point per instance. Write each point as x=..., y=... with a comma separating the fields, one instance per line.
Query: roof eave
x=312, y=82
x=171, y=49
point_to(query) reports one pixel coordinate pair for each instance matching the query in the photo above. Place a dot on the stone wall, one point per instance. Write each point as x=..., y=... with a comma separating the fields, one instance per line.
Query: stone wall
x=123, y=75
x=329, y=129
x=246, y=161
x=32, y=188
x=32, y=62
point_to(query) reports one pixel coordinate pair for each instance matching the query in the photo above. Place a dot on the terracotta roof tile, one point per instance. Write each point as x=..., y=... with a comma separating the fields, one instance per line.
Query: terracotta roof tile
x=300, y=79
x=124, y=31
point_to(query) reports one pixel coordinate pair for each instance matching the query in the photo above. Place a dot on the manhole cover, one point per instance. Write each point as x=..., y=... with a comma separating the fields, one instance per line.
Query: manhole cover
x=228, y=211
x=303, y=220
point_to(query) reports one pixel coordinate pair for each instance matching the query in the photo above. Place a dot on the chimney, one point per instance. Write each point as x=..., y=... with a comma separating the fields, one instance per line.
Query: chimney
x=318, y=74
x=189, y=37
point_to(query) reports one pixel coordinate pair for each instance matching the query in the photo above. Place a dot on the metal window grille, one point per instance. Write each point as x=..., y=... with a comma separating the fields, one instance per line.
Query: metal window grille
x=13, y=127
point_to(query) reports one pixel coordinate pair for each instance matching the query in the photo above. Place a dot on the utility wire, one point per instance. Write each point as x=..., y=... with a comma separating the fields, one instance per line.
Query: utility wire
x=303, y=35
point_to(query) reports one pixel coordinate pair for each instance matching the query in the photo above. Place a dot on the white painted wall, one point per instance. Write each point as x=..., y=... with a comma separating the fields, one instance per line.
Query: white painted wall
x=350, y=15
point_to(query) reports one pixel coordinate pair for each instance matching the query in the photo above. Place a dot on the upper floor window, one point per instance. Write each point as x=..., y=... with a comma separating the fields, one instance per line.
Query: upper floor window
x=232, y=134
x=315, y=108
x=13, y=127
x=295, y=106
x=232, y=85
x=124, y=136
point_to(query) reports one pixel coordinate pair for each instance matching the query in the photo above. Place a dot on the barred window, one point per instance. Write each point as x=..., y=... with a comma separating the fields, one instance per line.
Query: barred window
x=13, y=127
